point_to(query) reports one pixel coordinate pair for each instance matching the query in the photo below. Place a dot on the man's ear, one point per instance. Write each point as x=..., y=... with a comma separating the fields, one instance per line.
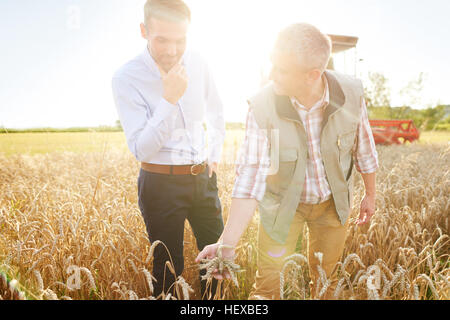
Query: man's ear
x=143, y=31
x=314, y=75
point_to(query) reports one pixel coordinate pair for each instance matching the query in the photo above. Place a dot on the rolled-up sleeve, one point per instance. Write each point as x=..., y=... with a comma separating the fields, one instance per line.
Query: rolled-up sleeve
x=366, y=156
x=145, y=134
x=253, y=163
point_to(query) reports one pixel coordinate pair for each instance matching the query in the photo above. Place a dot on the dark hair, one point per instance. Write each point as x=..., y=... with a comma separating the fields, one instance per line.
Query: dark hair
x=173, y=10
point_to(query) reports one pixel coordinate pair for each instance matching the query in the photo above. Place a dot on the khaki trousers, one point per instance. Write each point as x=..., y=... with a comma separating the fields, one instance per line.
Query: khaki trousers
x=326, y=235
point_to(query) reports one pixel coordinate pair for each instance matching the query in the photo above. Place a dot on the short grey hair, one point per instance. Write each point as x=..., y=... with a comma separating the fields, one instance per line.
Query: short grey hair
x=312, y=47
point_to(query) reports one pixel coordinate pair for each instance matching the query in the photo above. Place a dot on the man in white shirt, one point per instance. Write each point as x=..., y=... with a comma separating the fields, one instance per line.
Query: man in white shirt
x=163, y=97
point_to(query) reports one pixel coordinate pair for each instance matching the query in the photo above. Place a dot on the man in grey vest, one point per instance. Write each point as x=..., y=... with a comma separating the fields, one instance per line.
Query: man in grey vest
x=306, y=131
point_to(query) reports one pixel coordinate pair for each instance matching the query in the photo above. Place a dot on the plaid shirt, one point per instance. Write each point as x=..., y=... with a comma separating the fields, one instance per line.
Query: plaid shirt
x=254, y=161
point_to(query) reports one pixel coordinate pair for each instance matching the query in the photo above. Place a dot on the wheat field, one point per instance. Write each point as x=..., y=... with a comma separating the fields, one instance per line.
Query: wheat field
x=70, y=228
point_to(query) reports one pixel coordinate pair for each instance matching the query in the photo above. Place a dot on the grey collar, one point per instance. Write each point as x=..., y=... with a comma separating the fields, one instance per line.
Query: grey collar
x=286, y=110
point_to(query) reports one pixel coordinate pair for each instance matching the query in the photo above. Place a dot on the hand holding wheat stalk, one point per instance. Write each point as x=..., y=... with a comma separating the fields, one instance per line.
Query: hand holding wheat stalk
x=220, y=265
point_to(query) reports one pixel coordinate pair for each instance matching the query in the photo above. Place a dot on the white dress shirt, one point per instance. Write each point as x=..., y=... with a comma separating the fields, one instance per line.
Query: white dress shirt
x=161, y=133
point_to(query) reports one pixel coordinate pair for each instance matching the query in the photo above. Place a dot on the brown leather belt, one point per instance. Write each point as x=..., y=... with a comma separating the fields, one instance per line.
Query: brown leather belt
x=194, y=170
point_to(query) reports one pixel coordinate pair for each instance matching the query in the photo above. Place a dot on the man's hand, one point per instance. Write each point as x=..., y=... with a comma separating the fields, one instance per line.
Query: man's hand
x=175, y=83
x=212, y=168
x=367, y=209
x=241, y=212
x=210, y=252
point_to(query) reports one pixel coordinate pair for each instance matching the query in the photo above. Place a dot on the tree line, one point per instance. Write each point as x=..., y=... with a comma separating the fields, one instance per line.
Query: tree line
x=378, y=100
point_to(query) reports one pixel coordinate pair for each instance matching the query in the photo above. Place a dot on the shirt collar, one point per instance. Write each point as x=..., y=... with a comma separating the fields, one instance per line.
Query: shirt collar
x=323, y=102
x=151, y=63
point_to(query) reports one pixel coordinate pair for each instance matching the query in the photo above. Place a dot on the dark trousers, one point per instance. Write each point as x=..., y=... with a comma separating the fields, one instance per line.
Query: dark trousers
x=165, y=201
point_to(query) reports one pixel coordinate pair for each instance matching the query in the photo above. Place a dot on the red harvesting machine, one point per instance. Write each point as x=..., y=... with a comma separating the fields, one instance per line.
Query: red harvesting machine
x=394, y=131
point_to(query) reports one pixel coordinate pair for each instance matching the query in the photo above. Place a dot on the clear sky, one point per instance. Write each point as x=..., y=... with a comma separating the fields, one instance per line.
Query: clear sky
x=57, y=56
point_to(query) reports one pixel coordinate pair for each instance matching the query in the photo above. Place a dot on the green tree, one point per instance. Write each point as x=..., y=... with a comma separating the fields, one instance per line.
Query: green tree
x=432, y=116
x=377, y=92
x=412, y=92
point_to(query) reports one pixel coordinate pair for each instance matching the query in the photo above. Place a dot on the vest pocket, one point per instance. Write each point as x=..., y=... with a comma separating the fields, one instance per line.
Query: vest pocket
x=268, y=208
x=279, y=181
x=288, y=162
x=346, y=141
x=288, y=155
x=345, y=144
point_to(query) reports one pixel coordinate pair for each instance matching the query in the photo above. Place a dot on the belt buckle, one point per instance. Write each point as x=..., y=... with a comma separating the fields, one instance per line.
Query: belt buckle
x=196, y=166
